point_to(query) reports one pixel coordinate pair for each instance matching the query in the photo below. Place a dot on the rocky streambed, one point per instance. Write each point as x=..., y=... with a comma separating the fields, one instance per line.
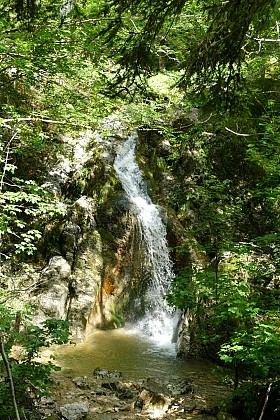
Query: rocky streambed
x=106, y=395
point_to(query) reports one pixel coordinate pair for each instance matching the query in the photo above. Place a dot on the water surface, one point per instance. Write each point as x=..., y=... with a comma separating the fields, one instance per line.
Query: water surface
x=128, y=351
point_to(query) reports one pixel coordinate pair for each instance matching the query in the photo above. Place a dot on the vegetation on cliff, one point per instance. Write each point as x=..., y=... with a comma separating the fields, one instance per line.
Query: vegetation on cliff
x=64, y=65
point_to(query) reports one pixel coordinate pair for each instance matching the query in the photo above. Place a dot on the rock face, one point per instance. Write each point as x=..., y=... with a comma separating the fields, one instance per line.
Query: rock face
x=52, y=296
x=94, y=274
x=94, y=271
x=68, y=284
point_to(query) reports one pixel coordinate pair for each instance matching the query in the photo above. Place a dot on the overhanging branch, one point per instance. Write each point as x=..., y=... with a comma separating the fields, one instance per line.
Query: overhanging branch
x=4, y=121
x=243, y=134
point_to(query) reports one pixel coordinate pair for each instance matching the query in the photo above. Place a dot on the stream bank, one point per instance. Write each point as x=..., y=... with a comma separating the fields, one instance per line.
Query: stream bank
x=122, y=375
x=106, y=395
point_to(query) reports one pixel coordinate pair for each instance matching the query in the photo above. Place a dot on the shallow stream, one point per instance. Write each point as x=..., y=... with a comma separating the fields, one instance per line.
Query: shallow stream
x=128, y=351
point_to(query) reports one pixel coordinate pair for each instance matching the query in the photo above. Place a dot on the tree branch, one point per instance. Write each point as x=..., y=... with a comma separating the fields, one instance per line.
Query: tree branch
x=241, y=134
x=266, y=400
x=6, y=160
x=15, y=292
x=72, y=22
x=6, y=120
x=263, y=39
x=260, y=40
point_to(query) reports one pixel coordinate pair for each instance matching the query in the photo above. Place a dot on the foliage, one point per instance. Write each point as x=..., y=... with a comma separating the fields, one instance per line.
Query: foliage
x=209, y=41
x=233, y=321
x=220, y=54
x=24, y=204
x=50, y=84
x=32, y=378
x=255, y=348
x=232, y=198
x=61, y=62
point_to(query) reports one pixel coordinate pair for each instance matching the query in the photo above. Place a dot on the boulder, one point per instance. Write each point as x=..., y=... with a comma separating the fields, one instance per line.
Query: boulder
x=74, y=411
x=172, y=387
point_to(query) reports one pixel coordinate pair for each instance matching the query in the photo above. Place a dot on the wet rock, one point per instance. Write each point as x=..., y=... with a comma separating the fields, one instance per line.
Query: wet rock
x=112, y=386
x=105, y=373
x=180, y=387
x=74, y=411
x=70, y=236
x=123, y=392
x=171, y=387
x=81, y=382
x=148, y=400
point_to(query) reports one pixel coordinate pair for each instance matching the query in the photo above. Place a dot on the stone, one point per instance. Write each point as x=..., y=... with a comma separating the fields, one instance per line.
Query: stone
x=148, y=400
x=171, y=387
x=112, y=386
x=47, y=409
x=74, y=411
x=180, y=387
x=129, y=407
x=105, y=373
x=81, y=382
x=57, y=266
x=122, y=391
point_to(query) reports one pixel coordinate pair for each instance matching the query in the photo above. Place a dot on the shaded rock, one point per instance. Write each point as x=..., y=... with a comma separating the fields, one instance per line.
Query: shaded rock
x=112, y=386
x=182, y=119
x=122, y=391
x=70, y=237
x=47, y=409
x=129, y=407
x=81, y=382
x=225, y=416
x=74, y=411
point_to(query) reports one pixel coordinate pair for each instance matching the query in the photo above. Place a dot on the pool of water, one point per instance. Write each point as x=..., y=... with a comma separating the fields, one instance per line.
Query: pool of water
x=127, y=350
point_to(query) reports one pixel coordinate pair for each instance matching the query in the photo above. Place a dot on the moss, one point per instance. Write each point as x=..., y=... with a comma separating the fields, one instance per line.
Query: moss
x=106, y=235
x=116, y=321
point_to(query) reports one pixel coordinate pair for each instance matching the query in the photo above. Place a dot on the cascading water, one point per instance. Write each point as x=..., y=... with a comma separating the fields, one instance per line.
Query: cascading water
x=145, y=349
x=159, y=320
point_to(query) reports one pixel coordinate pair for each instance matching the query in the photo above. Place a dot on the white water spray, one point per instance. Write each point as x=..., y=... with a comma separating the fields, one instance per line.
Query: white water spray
x=159, y=320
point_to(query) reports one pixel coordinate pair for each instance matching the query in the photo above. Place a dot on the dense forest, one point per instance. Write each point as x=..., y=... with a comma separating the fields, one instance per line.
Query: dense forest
x=64, y=66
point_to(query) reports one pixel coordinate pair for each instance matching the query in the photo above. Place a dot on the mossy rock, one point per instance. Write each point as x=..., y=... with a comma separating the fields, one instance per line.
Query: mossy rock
x=115, y=322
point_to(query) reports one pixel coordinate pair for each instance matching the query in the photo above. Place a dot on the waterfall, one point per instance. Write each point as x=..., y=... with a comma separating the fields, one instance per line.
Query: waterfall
x=158, y=321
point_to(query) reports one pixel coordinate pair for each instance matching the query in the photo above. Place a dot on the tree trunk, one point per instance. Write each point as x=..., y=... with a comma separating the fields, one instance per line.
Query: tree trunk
x=10, y=377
